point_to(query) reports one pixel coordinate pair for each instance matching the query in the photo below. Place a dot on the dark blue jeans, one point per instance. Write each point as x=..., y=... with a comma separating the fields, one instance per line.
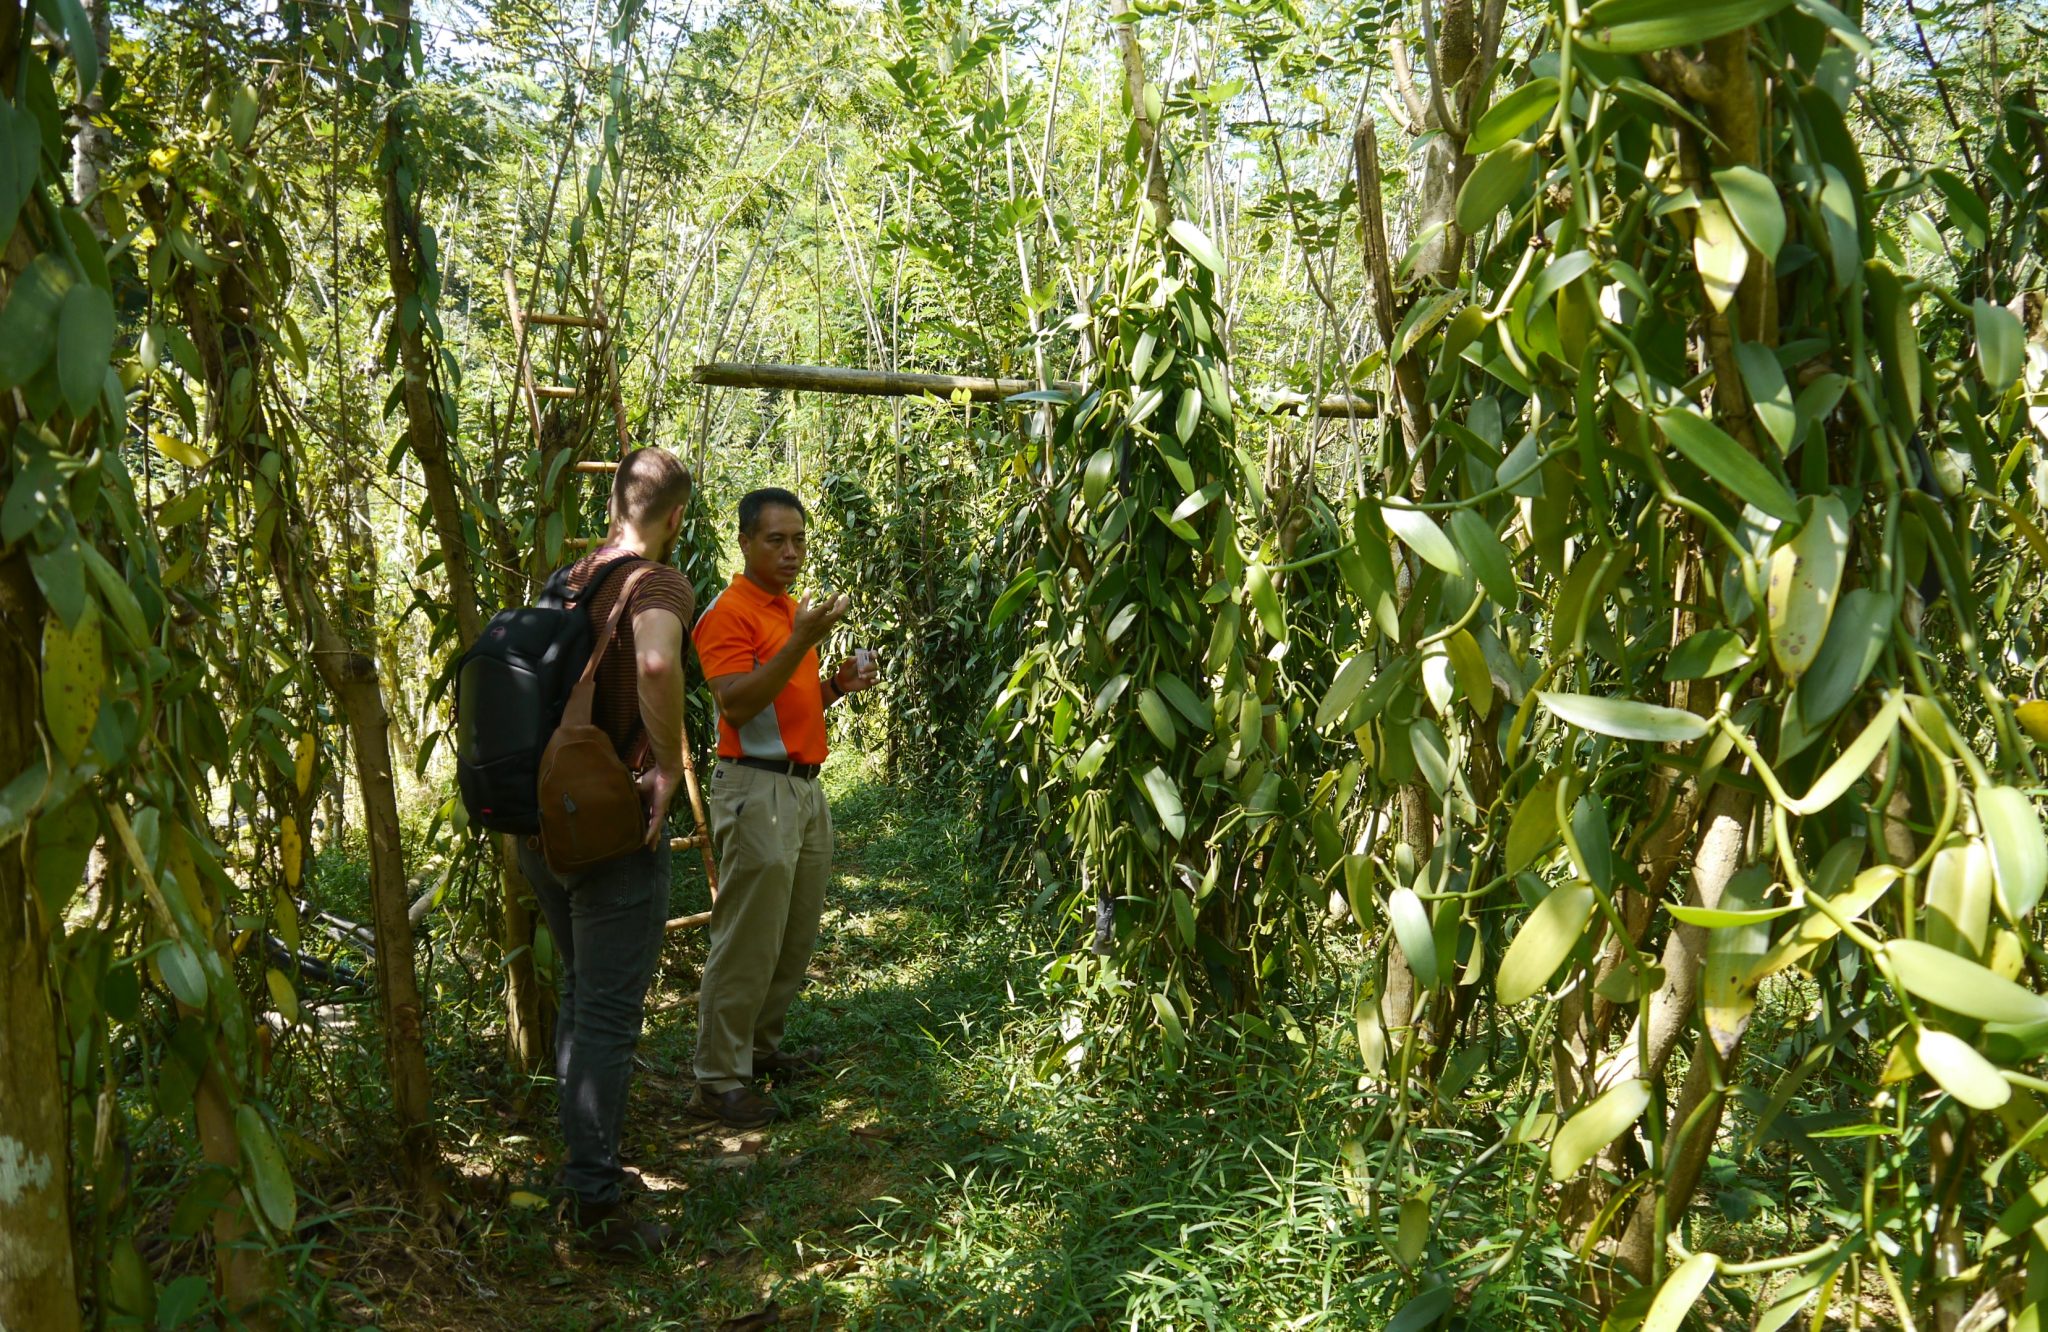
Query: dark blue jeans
x=608, y=924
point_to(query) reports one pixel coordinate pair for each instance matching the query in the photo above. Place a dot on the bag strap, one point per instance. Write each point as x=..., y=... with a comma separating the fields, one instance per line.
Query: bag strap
x=582, y=694
x=611, y=623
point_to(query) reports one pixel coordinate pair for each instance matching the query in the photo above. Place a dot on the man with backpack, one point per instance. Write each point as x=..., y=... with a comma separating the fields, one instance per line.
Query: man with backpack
x=608, y=918
x=769, y=822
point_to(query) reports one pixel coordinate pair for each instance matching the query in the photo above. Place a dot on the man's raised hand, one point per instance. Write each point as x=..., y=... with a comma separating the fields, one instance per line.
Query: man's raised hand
x=814, y=619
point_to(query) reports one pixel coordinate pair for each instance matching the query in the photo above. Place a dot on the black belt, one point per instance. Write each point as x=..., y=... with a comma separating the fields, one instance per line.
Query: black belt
x=786, y=767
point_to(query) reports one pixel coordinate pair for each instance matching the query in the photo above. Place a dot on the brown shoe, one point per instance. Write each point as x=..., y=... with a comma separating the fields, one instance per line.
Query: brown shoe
x=740, y=1108
x=785, y=1064
x=633, y=1187
x=611, y=1230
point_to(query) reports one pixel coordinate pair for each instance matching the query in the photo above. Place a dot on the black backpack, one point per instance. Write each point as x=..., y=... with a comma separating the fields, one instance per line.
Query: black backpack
x=510, y=689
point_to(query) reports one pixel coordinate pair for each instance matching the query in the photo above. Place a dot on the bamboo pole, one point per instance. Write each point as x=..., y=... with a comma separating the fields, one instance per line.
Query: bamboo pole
x=906, y=384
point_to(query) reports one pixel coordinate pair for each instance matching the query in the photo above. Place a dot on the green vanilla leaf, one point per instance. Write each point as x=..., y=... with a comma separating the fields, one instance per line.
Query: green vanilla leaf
x=1344, y=690
x=85, y=344
x=1411, y=930
x=1508, y=117
x=1999, y=339
x=270, y=1180
x=1770, y=397
x=1680, y=1291
x=1715, y=452
x=1960, y=1070
x=1197, y=244
x=1534, y=825
x=1753, y=202
x=1706, y=654
x=1625, y=718
x=1419, y=532
x=1582, y=1137
x=2019, y=852
x=1545, y=940
x=1960, y=985
x=1493, y=184
x=1159, y=789
x=1630, y=27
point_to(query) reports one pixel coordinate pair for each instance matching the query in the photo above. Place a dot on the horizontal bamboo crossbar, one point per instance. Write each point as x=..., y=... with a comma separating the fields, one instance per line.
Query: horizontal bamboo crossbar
x=904, y=384
x=557, y=391
x=690, y=843
x=692, y=922
x=597, y=466
x=564, y=320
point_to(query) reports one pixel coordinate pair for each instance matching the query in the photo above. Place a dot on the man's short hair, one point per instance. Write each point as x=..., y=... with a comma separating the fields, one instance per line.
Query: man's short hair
x=754, y=501
x=649, y=483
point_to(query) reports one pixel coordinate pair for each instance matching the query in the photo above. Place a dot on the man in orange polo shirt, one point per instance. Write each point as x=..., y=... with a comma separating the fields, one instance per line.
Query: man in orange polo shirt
x=769, y=824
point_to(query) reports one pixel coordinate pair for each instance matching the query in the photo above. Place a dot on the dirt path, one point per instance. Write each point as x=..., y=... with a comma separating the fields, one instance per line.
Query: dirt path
x=783, y=1221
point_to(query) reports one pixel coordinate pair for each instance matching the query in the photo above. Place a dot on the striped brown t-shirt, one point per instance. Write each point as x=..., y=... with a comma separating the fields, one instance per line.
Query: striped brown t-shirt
x=616, y=709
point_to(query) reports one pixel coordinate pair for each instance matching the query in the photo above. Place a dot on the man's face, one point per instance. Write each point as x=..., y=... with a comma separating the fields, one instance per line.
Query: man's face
x=774, y=551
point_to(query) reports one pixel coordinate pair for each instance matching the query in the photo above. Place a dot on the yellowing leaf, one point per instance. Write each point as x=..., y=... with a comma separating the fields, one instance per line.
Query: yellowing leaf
x=2033, y=719
x=302, y=763
x=178, y=450
x=181, y=872
x=1817, y=928
x=1853, y=761
x=74, y=674
x=290, y=849
x=284, y=914
x=283, y=995
x=1806, y=577
x=525, y=1201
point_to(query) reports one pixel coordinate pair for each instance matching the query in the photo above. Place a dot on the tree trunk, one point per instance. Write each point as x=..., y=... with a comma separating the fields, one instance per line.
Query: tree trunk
x=352, y=678
x=38, y=1287
x=89, y=141
x=526, y=1037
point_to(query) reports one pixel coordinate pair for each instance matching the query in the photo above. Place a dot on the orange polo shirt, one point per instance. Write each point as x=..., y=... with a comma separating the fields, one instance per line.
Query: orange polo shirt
x=742, y=627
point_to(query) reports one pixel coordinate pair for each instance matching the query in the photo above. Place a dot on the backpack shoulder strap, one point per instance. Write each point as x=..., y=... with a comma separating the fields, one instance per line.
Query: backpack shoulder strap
x=576, y=596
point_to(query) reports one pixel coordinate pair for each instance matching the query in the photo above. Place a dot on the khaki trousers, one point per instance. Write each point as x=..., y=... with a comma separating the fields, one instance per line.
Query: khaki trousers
x=773, y=838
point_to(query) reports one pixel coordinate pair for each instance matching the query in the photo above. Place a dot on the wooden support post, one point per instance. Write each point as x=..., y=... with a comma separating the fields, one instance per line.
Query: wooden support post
x=519, y=337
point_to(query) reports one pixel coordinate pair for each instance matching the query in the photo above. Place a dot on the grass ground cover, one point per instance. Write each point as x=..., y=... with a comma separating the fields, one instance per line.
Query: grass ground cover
x=951, y=1169
x=946, y=1172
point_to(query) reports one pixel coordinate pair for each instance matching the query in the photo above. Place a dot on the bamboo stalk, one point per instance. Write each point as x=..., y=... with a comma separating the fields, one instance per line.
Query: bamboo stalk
x=564, y=320
x=907, y=384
